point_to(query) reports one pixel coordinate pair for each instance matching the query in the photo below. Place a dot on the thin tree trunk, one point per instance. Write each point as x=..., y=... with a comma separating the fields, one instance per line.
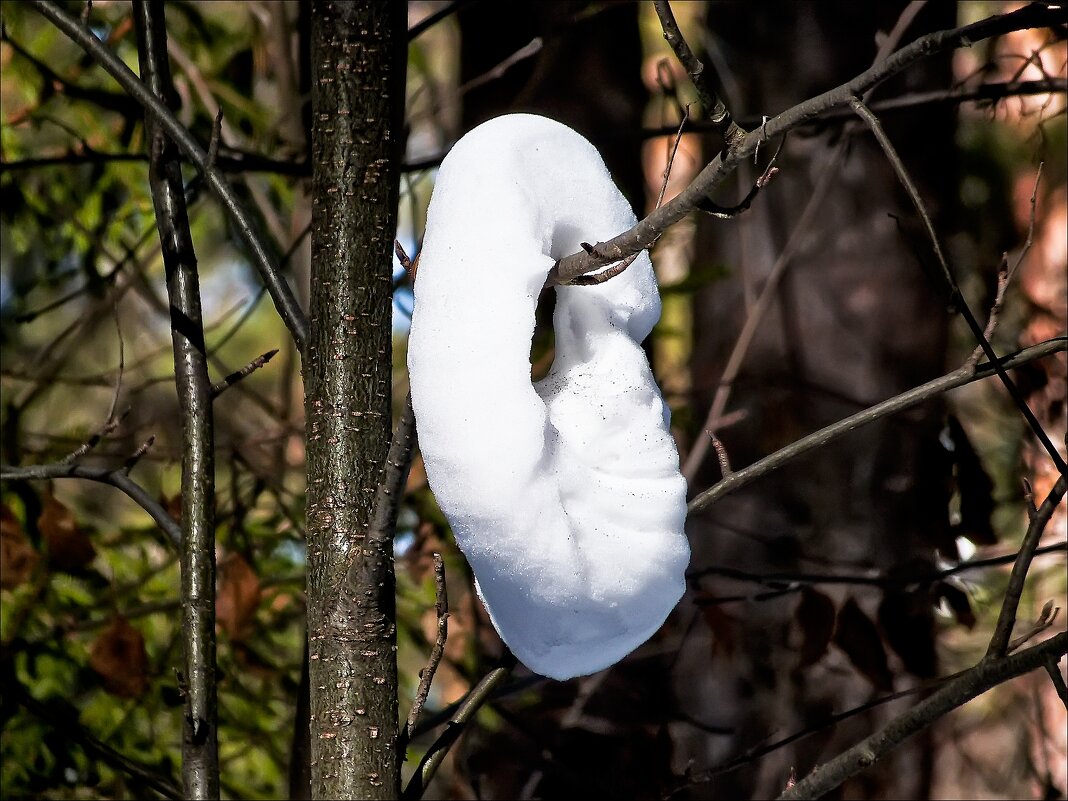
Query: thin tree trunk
x=359, y=55
x=200, y=748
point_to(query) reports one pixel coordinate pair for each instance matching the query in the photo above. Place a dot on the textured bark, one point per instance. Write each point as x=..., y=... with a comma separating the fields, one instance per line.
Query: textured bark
x=200, y=749
x=358, y=71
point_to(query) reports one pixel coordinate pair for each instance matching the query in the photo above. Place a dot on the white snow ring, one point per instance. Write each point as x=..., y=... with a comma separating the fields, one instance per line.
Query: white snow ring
x=565, y=496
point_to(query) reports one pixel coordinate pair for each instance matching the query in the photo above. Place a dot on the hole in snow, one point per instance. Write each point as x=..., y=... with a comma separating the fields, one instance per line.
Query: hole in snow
x=543, y=343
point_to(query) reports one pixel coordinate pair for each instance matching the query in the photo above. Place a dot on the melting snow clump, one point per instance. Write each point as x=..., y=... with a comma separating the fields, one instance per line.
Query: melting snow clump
x=565, y=495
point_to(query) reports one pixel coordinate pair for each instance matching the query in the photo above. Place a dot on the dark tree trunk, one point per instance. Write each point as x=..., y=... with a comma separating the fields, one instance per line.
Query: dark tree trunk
x=358, y=53
x=856, y=320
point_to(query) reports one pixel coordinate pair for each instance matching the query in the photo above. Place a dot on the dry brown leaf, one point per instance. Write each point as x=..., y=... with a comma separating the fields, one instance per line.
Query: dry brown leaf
x=416, y=475
x=173, y=505
x=857, y=635
x=238, y=597
x=69, y=547
x=17, y=555
x=815, y=615
x=118, y=656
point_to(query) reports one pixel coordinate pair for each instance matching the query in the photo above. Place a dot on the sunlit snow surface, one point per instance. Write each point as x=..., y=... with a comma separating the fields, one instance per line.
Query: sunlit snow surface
x=565, y=496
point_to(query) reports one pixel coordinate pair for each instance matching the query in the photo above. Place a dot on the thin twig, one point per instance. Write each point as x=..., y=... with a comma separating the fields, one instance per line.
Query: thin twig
x=221, y=386
x=102, y=475
x=216, y=138
x=402, y=255
x=592, y=279
x=1044, y=621
x=959, y=377
x=135, y=457
x=970, y=684
x=390, y=488
x=110, y=425
x=433, y=19
x=957, y=297
x=1058, y=680
x=730, y=212
x=472, y=702
x=721, y=455
x=802, y=229
x=797, y=581
x=671, y=155
x=1006, y=273
x=531, y=48
x=1033, y=204
x=718, y=114
x=426, y=676
x=999, y=642
x=994, y=316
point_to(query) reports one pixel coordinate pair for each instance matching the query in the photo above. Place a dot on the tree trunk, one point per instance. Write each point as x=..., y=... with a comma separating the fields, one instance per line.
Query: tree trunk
x=200, y=742
x=855, y=320
x=358, y=61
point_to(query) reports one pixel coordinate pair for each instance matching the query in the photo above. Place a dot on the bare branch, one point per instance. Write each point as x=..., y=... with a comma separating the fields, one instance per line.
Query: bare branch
x=999, y=642
x=648, y=229
x=592, y=279
x=390, y=489
x=135, y=457
x=221, y=386
x=1044, y=621
x=426, y=676
x=796, y=581
x=283, y=297
x=110, y=425
x=216, y=138
x=474, y=700
x=102, y=475
x=1057, y=679
x=957, y=297
x=955, y=693
x=671, y=155
x=200, y=748
x=433, y=19
x=959, y=377
x=718, y=114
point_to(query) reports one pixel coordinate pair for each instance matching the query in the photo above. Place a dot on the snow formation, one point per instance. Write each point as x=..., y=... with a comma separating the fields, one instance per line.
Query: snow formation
x=565, y=496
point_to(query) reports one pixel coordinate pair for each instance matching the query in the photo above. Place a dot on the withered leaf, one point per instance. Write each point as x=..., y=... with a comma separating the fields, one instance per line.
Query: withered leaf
x=975, y=488
x=118, y=656
x=173, y=505
x=958, y=602
x=815, y=617
x=238, y=596
x=858, y=637
x=17, y=555
x=722, y=626
x=69, y=547
x=908, y=626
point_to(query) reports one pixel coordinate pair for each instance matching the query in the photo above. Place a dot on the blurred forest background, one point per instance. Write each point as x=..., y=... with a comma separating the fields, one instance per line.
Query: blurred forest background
x=811, y=590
